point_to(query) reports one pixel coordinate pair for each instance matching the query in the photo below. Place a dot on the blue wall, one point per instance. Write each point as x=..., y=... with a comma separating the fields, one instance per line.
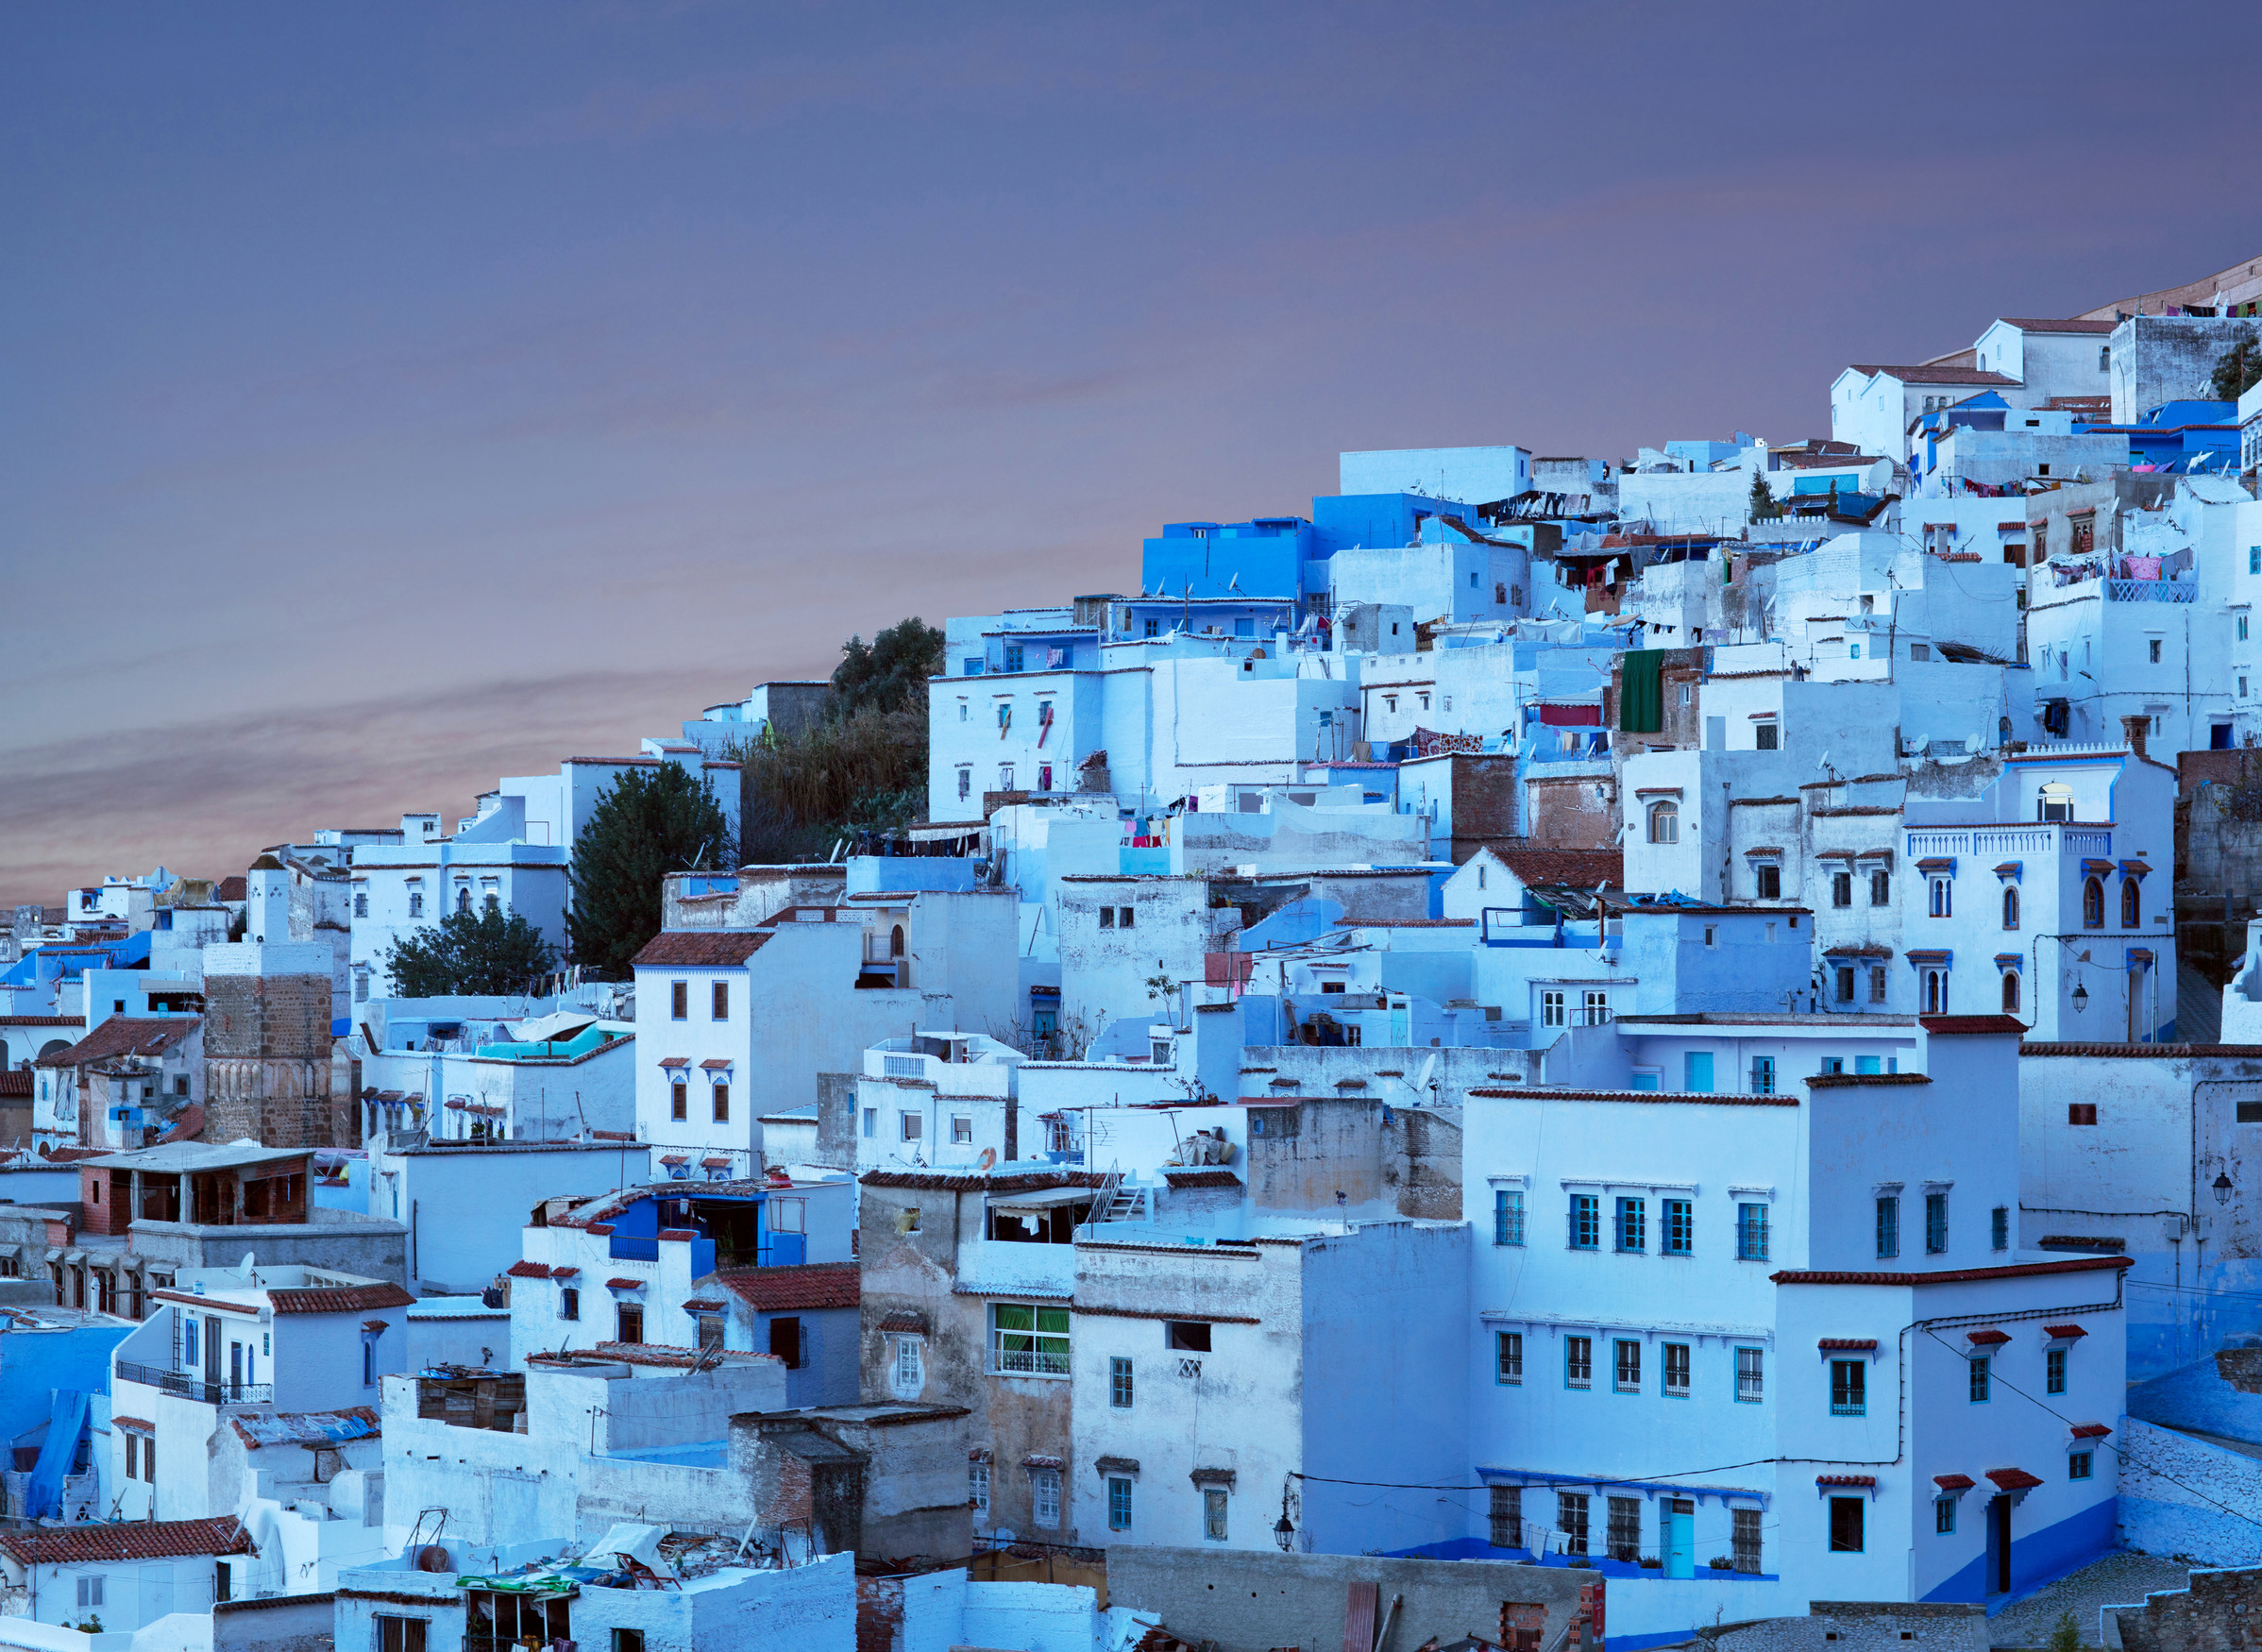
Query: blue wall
x=34, y=1363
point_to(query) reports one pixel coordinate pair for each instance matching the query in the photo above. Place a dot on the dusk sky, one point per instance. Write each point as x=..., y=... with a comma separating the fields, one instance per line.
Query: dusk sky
x=395, y=397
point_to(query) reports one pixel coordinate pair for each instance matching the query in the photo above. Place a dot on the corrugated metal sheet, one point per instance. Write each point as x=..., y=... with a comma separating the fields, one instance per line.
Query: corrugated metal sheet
x=1358, y=1617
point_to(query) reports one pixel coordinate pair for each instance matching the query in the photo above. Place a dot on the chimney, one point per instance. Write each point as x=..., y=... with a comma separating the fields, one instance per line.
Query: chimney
x=2133, y=727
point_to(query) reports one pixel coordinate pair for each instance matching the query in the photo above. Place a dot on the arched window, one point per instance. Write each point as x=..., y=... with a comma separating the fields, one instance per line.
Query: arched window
x=2093, y=904
x=1664, y=822
x=1935, y=992
x=2010, y=992
x=463, y=899
x=2010, y=906
x=2132, y=904
x=895, y=942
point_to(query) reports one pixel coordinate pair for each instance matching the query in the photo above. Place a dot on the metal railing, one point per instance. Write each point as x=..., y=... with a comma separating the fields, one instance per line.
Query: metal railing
x=194, y=1388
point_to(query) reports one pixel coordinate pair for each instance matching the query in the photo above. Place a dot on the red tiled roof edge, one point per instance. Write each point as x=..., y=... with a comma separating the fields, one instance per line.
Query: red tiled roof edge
x=127, y=1541
x=1949, y=1275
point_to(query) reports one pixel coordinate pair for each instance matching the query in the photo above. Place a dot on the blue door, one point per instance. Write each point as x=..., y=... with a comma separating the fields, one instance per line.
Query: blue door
x=1681, y=1536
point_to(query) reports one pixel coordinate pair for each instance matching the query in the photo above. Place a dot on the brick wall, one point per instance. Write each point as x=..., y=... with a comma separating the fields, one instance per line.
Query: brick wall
x=267, y=1063
x=103, y=1208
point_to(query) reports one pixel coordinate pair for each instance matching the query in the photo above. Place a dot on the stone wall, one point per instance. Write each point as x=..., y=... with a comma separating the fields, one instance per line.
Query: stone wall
x=837, y=1119
x=267, y=1068
x=2218, y=1610
x=1858, y=1626
x=2181, y=1494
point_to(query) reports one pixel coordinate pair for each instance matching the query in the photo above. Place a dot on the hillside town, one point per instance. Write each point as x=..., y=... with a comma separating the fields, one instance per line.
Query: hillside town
x=1438, y=1022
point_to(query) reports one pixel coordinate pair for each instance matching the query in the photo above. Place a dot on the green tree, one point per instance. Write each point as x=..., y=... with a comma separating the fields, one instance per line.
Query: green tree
x=647, y=823
x=1764, y=507
x=857, y=777
x=474, y=951
x=890, y=674
x=2238, y=370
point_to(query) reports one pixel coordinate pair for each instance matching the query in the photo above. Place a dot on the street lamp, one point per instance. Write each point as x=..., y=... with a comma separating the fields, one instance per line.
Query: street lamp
x=1283, y=1533
x=2081, y=997
x=2222, y=1188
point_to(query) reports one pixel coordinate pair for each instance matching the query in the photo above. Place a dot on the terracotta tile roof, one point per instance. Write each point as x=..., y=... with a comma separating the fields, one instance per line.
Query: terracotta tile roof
x=338, y=1298
x=1845, y=1479
x=905, y=1320
x=2154, y=1052
x=1525, y=1092
x=2028, y=323
x=17, y=1083
x=133, y=1425
x=235, y=888
x=1953, y=1482
x=2013, y=1479
x=2063, y=1333
x=1832, y=1081
x=940, y=1181
x=1202, y=1176
x=1847, y=1344
x=42, y=1022
x=1574, y=867
x=528, y=1271
x=2090, y=1431
x=1937, y=374
x=565, y=1273
x=64, y=1545
x=704, y=1305
x=1988, y=1338
x=810, y=1285
x=625, y=1284
x=123, y=1035
x=664, y=1353
x=1947, y=1276
x=1973, y=1026
x=700, y=949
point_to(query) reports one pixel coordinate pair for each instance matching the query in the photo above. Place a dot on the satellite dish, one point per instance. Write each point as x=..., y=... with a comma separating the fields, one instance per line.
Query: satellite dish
x=1422, y=1078
x=990, y=1156
x=244, y=1269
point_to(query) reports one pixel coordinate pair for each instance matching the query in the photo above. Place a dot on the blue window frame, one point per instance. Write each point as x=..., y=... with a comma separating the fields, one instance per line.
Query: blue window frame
x=1762, y=1075
x=1119, y=1503
x=1586, y=1222
x=1507, y=1216
x=1680, y=1228
x=1888, y=1225
x=1579, y=1362
x=2080, y=1465
x=1848, y=1387
x=1013, y=656
x=1696, y=1072
x=1633, y=1224
x=1944, y=1516
x=1751, y=1233
x=1935, y=1223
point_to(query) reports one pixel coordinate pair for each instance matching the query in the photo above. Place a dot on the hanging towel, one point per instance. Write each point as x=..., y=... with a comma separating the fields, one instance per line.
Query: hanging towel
x=1641, y=692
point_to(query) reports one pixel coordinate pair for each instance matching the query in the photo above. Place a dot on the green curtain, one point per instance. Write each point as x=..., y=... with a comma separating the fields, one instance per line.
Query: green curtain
x=1642, y=693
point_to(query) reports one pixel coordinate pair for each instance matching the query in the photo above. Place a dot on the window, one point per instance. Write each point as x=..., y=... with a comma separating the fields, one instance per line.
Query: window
x=908, y=1126
x=360, y=896
x=1935, y=992
x=90, y=1590
x=1848, y=1387
x=1579, y=1362
x=1888, y=1225
x=1935, y=1223
x=1880, y=888
x=1664, y=822
x=2010, y=906
x=1571, y=1520
x=1751, y=1374
x=415, y=906
x=1507, y=1357
x=1762, y=1075
x=679, y=1100
x=710, y=1332
x=1677, y=1371
x=2053, y=1371
x=2093, y=904
x=1751, y=1233
x=1629, y=1366
x=1004, y=777
x=1551, y=1008
x=1586, y=1222
x=628, y=1641
x=784, y=1337
x=871, y=1121
x=1119, y=1503
x=1633, y=1224
x=2152, y=651
x=1013, y=656
x=2079, y=1464
x=630, y=1317
x=2000, y=1228
x=1186, y=1335
x=1623, y=1534
x=977, y=1487
x=133, y=1443
x=2132, y=904
x=1696, y=1072
x=1844, y=982
x=720, y=1008
x=722, y=1104
x=1712, y=931
x=1942, y=892
x=1745, y=1539
x=1119, y=1383
x=2242, y=628
x=1944, y=1516
x=463, y=897
x=1680, y=1228
x=2081, y=1112
x=1840, y=888
x=1764, y=735
x=1028, y=1340
x=1980, y=1379
x=1846, y=1525
x=966, y=781
x=911, y=1377
x=1213, y=1513
x=403, y=1634
x=368, y=1362
x=569, y=1302
x=1507, y=1520
x=1123, y=918
x=1595, y=1005
x=1507, y=1216
x=679, y=1001
x=1044, y=1497
x=1769, y=880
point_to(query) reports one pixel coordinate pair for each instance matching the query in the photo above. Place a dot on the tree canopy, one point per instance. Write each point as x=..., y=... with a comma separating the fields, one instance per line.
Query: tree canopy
x=1763, y=505
x=645, y=824
x=890, y=673
x=470, y=951
x=2238, y=370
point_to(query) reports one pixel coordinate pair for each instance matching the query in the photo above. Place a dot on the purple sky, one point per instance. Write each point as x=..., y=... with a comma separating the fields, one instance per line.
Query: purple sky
x=393, y=397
